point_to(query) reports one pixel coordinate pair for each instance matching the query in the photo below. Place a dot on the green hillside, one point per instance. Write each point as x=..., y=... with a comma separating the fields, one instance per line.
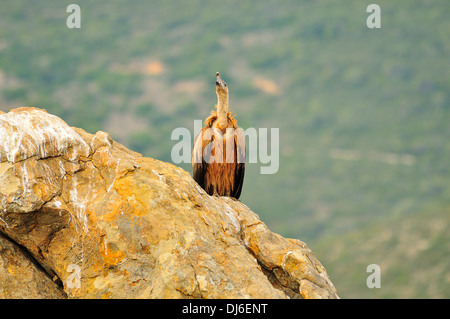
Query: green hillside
x=363, y=114
x=410, y=252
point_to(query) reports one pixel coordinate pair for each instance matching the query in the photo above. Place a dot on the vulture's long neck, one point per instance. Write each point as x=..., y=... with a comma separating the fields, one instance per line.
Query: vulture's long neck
x=222, y=110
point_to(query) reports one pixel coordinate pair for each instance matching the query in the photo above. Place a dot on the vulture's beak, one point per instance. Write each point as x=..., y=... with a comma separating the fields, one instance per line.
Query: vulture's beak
x=219, y=80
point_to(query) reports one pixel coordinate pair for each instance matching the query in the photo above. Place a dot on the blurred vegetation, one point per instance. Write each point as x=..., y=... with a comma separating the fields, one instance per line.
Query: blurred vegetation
x=364, y=115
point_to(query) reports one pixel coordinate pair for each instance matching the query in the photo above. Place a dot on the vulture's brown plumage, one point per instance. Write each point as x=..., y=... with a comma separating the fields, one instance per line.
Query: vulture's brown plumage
x=218, y=156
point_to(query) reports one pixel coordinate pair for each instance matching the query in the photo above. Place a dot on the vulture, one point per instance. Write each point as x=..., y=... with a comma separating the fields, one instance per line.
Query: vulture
x=218, y=155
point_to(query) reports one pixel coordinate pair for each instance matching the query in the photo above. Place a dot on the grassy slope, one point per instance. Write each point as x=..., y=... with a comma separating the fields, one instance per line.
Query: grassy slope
x=410, y=252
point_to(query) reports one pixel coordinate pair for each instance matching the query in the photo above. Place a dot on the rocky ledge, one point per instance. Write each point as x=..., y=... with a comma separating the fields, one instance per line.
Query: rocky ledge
x=81, y=216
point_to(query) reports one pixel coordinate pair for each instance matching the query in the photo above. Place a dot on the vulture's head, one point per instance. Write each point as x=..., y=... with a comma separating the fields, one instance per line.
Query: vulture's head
x=221, y=86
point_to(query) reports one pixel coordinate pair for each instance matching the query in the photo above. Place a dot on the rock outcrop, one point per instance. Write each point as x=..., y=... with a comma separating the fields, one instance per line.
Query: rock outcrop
x=81, y=216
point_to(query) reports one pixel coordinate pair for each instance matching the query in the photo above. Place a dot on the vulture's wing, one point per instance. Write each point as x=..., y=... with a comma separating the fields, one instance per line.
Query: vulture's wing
x=199, y=165
x=239, y=142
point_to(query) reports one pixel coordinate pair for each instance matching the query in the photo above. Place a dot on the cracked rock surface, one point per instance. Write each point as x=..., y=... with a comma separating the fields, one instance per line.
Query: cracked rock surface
x=81, y=216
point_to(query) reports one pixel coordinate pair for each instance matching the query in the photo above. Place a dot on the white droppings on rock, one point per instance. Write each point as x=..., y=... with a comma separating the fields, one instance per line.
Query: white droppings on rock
x=233, y=217
x=24, y=134
x=79, y=205
x=162, y=179
x=115, y=176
